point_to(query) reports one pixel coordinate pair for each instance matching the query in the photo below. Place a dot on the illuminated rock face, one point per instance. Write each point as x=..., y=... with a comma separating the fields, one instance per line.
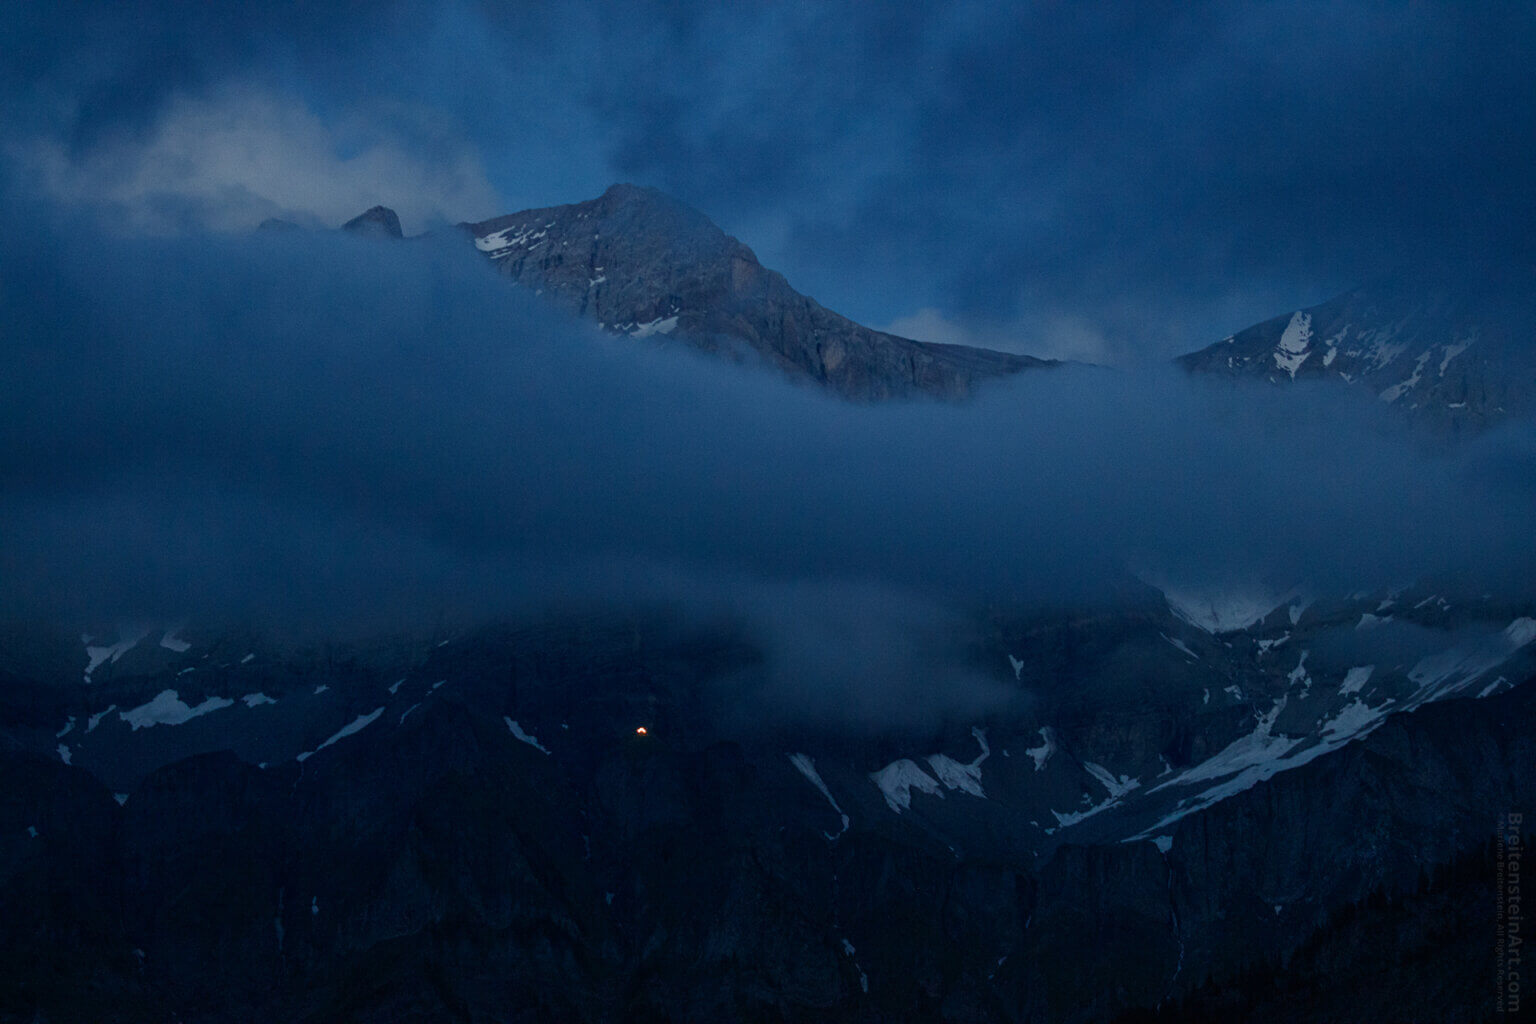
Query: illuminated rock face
x=640, y=263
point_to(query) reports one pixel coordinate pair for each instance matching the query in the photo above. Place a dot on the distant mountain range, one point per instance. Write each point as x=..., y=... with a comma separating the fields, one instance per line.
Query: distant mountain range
x=1456, y=357
x=1455, y=352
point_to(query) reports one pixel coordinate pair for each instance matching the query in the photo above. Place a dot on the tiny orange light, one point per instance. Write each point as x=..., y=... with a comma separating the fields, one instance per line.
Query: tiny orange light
x=640, y=731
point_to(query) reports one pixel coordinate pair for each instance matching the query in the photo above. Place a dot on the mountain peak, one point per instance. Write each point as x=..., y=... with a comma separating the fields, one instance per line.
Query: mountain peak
x=380, y=222
x=642, y=263
x=1444, y=346
x=623, y=191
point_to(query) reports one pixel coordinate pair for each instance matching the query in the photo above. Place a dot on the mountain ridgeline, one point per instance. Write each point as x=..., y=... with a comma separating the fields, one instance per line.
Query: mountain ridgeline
x=1449, y=347
x=643, y=264
x=1452, y=350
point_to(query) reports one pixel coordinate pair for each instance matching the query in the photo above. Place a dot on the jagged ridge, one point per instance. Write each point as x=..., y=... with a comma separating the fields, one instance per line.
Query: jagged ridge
x=641, y=263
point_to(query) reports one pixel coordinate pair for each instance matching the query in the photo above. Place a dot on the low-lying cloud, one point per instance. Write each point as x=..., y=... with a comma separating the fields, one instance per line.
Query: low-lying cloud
x=230, y=159
x=341, y=435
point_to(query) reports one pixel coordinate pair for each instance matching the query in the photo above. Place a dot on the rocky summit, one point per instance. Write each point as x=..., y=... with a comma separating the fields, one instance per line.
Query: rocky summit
x=378, y=222
x=640, y=263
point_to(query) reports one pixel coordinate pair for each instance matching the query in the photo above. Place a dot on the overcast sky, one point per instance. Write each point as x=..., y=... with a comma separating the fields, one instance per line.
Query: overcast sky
x=1110, y=182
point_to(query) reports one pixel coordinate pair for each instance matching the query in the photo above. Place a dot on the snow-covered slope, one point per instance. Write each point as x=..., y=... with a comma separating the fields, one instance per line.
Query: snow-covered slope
x=1456, y=355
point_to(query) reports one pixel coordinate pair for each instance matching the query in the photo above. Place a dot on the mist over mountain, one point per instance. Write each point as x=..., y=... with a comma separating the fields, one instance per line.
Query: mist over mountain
x=440, y=583
x=316, y=424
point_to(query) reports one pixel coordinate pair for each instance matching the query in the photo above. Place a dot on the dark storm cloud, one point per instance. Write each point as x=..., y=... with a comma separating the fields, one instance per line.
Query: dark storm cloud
x=115, y=65
x=1170, y=172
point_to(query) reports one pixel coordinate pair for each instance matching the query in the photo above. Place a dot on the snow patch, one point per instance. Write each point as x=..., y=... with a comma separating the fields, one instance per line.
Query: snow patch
x=1221, y=610
x=1295, y=610
x=965, y=777
x=1355, y=678
x=499, y=244
x=1258, y=756
x=518, y=732
x=64, y=754
x=1453, y=350
x=1485, y=691
x=1070, y=818
x=1353, y=720
x=1180, y=645
x=167, y=708
x=1265, y=645
x=1254, y=750
x=1117, y=787
x=807, y=767
x=127, y=640
x=1295, y=343
x=1397, y=390
x=171, y=642
x=1299, y=673
x=357, y=725
x=658, y=326
x=1451, y=671
x=253, y=699
x=897, y=780
x=1043, y=752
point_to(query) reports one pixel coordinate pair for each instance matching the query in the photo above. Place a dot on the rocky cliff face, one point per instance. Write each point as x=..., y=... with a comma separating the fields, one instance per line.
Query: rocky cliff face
x=640, y=263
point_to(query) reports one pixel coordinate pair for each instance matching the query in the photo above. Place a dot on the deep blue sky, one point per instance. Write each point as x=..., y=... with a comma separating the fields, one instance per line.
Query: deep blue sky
x=1114, y=182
